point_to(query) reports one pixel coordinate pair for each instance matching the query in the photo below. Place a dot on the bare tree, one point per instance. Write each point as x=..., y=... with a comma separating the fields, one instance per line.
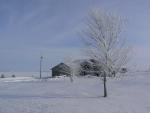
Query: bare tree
x=74, y=67
x=105, y=45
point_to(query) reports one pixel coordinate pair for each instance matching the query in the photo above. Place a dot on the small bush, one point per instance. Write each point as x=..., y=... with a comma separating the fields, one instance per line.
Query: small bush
x=2, y=76
x=13, y=76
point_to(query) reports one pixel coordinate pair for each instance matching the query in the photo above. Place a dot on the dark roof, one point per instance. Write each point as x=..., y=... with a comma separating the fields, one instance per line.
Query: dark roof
x=60, y=65
x=79, y=61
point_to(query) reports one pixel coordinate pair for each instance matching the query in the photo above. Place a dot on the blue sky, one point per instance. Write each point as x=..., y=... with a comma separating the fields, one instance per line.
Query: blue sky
x=30, y=28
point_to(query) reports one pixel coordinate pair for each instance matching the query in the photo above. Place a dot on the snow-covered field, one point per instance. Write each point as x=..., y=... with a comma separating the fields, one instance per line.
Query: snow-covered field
x=26, y=74
x=84, y=95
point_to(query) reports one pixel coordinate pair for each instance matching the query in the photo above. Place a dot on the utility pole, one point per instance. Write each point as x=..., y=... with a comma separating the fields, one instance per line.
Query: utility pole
x=41, y=58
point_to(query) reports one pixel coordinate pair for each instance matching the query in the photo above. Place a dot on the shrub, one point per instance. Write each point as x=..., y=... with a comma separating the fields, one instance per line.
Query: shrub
x=13, y=76
x=2, y=76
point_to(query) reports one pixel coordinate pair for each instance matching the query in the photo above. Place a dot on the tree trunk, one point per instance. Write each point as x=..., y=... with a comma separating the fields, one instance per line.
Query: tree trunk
x=71, y=78
x=105, y=88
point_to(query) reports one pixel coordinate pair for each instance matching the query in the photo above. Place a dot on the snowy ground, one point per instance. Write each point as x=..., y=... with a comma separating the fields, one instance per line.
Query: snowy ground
x=29, y=95
x=26, y=74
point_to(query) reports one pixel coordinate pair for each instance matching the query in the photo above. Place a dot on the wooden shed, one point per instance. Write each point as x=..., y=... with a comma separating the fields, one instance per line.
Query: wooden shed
x=61, y=69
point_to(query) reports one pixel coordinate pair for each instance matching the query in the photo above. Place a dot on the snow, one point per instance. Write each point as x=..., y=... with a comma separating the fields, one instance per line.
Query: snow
x=17, y=79
x=58, y=95
x=26, y=74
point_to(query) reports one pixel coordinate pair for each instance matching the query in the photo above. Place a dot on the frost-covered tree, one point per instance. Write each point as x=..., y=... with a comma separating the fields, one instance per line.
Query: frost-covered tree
x=102, y=36
x=74, y=67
